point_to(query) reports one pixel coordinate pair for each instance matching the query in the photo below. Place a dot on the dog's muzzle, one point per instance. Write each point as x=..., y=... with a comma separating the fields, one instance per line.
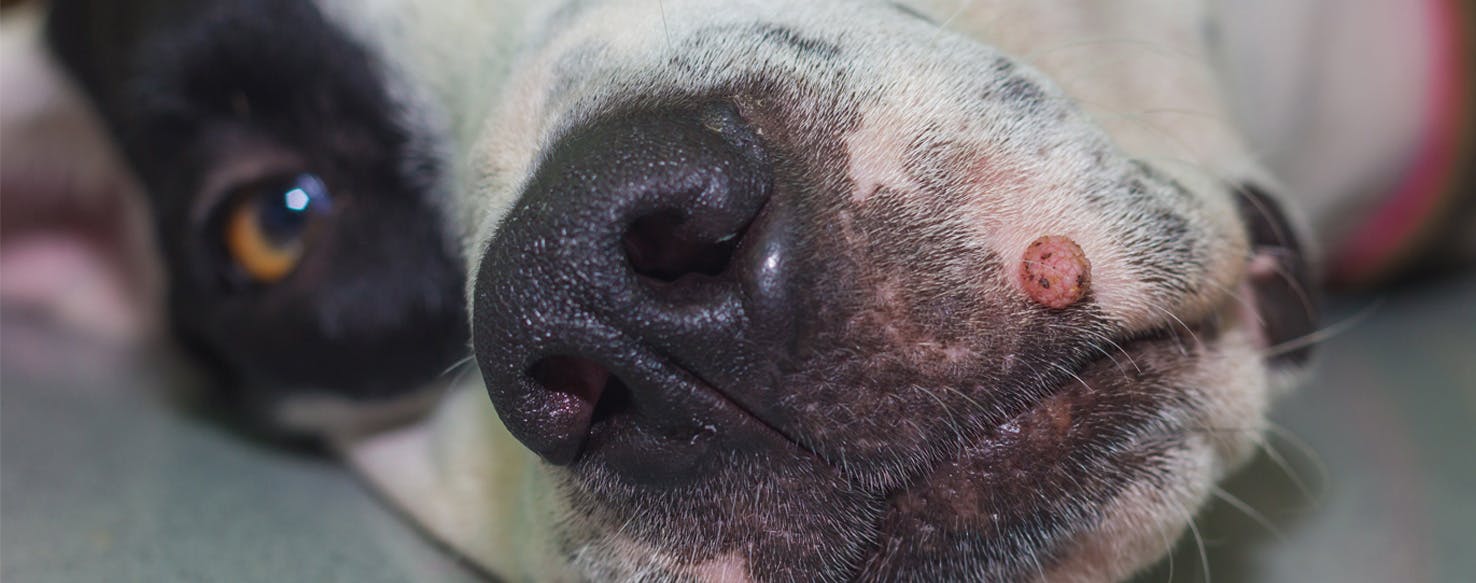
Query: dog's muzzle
x=637, y=272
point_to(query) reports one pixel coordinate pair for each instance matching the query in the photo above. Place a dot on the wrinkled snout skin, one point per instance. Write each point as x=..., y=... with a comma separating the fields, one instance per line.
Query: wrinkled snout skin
x=745, y=283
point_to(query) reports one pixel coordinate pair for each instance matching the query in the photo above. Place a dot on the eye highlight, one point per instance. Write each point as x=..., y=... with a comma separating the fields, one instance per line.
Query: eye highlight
x=267, y=225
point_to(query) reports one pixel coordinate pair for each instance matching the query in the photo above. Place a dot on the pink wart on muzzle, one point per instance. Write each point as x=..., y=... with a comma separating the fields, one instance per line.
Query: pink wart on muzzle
x=1055, y=272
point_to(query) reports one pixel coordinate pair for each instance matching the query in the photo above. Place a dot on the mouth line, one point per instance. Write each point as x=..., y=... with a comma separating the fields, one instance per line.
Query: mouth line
x=611, y=394
x=1126, y=345
x=728, y=401
x=1122, y=350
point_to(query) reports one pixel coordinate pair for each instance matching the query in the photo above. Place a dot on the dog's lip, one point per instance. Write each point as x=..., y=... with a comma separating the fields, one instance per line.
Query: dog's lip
x=767, y=424
x=765, y=433
x=690, y=391
x=1128, y=344
x=776, y=430
x=1122, y=351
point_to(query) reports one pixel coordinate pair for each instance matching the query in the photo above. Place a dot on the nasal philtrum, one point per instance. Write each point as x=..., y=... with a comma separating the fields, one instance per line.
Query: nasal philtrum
x=1055, y=272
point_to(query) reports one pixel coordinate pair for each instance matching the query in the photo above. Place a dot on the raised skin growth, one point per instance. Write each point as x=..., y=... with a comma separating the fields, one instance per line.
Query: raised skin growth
x=1055, y=272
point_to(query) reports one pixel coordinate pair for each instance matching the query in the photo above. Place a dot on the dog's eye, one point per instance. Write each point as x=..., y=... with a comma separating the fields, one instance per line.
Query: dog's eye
x=266, y=225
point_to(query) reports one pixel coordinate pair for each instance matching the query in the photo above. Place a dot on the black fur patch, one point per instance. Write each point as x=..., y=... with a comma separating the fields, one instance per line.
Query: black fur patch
x=188, y=88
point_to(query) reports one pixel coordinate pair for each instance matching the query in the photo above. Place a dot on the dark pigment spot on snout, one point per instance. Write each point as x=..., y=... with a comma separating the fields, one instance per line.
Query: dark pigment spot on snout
x=805, y=45
x=1006, y=84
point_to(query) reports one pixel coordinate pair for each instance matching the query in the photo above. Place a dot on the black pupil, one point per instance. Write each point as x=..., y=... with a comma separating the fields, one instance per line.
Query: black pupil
x=284, y=211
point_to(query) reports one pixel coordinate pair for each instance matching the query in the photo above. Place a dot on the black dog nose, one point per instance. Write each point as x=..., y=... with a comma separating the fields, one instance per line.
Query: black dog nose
x=615, y=290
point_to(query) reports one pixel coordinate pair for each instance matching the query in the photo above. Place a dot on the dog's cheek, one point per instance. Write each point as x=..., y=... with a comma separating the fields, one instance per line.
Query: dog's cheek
x=1094, y=484
x=1230, y=397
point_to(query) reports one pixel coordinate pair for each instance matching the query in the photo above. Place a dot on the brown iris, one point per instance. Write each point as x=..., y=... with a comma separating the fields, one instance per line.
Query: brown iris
x=267, y=226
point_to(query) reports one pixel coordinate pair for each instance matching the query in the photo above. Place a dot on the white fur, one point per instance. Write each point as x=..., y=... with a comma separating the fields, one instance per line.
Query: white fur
x=1141, y=83
x=1139, y=74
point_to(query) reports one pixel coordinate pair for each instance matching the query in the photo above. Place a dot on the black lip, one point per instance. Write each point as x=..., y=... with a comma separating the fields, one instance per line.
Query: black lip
x=760, y=420
x=684, y=392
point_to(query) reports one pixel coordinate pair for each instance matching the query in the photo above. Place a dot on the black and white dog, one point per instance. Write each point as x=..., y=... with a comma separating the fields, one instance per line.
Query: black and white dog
x=760, y=289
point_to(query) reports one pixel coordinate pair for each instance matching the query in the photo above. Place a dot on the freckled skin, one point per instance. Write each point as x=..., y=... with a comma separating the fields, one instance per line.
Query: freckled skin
x=1055, y=272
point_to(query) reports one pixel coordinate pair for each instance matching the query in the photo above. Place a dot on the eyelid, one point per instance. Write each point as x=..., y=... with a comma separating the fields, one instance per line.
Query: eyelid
x=239, y=162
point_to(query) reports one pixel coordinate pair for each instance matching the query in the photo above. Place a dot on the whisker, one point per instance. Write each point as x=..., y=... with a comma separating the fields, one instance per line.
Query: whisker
x=1074, y=376
x=1310, y=494
x=461, y=376
x=1208, y=429
x=455, y=365
x=1203, y=554
x=1304, y=296
x=1273, y=454
x=1239, y=298
x=963, y=5
x=1246, y=509
x=1104, y=115
x=1103, y=338
x=965, y=397
x=1286, y=468
x=1168, y=544
x=1125, y=353
x=1182, y=350
x=1114, y=360
x=1283, y=237
x=661, y=4
x=1326, y=333
x=952, y=421
x=1304, y=448
x=1039, y=567
x=1187, y=164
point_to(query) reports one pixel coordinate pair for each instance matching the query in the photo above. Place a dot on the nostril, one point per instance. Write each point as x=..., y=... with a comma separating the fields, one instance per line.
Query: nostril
x=581, y=391
x=614, y=401
x=580, y=379
x=657, y=249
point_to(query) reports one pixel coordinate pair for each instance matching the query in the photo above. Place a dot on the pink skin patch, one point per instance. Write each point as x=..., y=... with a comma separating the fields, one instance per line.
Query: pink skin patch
x=1055, y=272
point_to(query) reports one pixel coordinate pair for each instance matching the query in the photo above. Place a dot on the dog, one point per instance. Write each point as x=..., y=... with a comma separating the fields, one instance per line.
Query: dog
x=759, y=290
